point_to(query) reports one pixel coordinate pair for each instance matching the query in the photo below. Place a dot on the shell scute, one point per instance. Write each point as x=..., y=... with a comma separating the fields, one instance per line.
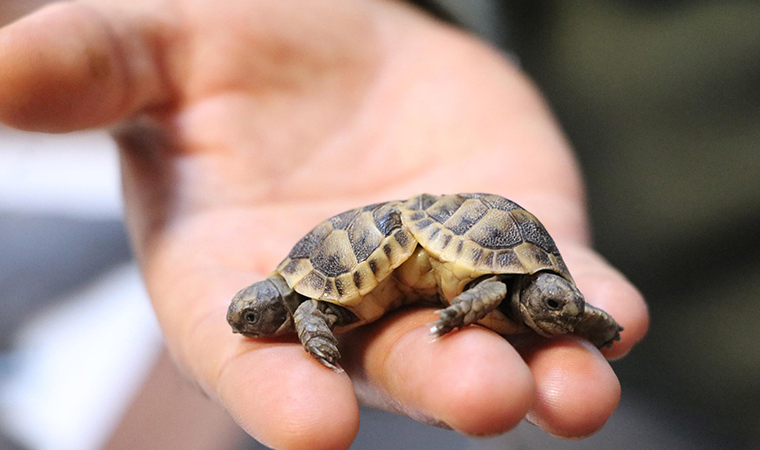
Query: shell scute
x=387, y=218
x=442, y=210
x=335, y=256
x=306, y=246
x=464, y=218
x=532, y=231
x=496, y=230
x=364, y=237
x=344, y=219
x=500, y=203
x=421, y=202
x=314, y=282
x=507, y=260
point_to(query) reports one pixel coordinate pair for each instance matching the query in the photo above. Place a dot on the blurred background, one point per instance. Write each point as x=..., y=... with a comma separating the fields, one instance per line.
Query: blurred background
x=661, y=100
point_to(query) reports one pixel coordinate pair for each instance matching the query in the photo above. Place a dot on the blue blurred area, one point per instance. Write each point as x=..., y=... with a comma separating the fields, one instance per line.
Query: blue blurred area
x=45, y=257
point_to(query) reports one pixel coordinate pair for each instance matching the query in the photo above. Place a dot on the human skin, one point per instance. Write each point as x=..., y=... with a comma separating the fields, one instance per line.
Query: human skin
x=244, y=125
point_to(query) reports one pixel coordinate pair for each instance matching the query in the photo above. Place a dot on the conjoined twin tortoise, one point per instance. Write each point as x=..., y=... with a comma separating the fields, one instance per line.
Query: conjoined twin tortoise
x=485, y=258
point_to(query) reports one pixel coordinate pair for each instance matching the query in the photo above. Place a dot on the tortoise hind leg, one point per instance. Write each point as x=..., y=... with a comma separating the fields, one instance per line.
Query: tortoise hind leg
x=314, y=321
x=598, y=327
x=470, y=306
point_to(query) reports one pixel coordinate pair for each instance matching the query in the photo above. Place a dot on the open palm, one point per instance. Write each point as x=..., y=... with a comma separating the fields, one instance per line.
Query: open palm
x=244, y=125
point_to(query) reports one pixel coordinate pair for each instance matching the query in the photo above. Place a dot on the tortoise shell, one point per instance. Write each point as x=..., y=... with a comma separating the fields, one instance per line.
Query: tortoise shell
x=345, y=257
x=482, y=234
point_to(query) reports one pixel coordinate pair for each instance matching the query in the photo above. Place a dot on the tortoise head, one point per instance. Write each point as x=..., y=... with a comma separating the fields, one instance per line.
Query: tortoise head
x=550, y=304
x=261, y=310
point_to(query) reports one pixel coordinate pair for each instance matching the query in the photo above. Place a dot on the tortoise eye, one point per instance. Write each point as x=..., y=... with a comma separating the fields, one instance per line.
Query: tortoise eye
x=553, y=304
x=250, y=317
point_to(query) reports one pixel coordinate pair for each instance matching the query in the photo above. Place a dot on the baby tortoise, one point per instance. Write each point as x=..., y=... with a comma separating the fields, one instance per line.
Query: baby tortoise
x=486, y=258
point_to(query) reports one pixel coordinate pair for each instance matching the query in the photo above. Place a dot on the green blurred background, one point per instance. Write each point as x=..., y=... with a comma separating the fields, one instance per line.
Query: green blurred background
x=661, y=100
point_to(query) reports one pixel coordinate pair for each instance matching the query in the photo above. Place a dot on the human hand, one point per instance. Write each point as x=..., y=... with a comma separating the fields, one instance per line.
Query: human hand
x=244, y=125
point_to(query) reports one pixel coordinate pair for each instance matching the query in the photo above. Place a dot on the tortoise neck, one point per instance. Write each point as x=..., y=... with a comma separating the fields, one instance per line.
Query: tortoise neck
x=515, y=287
x=290, y=298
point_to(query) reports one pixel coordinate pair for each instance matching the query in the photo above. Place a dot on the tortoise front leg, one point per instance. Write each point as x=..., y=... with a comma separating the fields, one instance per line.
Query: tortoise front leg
x=470, y=306
x=598, y=327
x=314, y=321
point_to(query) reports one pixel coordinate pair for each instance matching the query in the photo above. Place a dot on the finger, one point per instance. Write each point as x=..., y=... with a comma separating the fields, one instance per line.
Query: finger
x=274, y=390
x=286, y=399
x=72, y=66
x=470, y=380
x=576, y=389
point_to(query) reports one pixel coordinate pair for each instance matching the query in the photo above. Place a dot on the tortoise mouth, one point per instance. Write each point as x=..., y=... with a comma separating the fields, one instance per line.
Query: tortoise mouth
x=239, y=327
x=549, y=329
x=554, y=325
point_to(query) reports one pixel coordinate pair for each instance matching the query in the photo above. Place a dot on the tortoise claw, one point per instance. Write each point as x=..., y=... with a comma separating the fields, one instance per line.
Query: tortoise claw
x=610, y=342
x=439, y=328
x=435, y=331
x=334, y=366
x=326, y=352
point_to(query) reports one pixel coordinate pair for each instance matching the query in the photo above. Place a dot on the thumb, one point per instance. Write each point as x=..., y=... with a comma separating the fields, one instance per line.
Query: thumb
x=71, y=66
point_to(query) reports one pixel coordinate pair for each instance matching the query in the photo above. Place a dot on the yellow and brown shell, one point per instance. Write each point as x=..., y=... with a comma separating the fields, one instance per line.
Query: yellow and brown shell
x=345, y=257
x=482, y=233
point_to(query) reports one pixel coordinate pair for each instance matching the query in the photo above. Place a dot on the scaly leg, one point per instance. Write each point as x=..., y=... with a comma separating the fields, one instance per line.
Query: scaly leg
x=470, y=306
x=314, y=323
x=598, y=327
